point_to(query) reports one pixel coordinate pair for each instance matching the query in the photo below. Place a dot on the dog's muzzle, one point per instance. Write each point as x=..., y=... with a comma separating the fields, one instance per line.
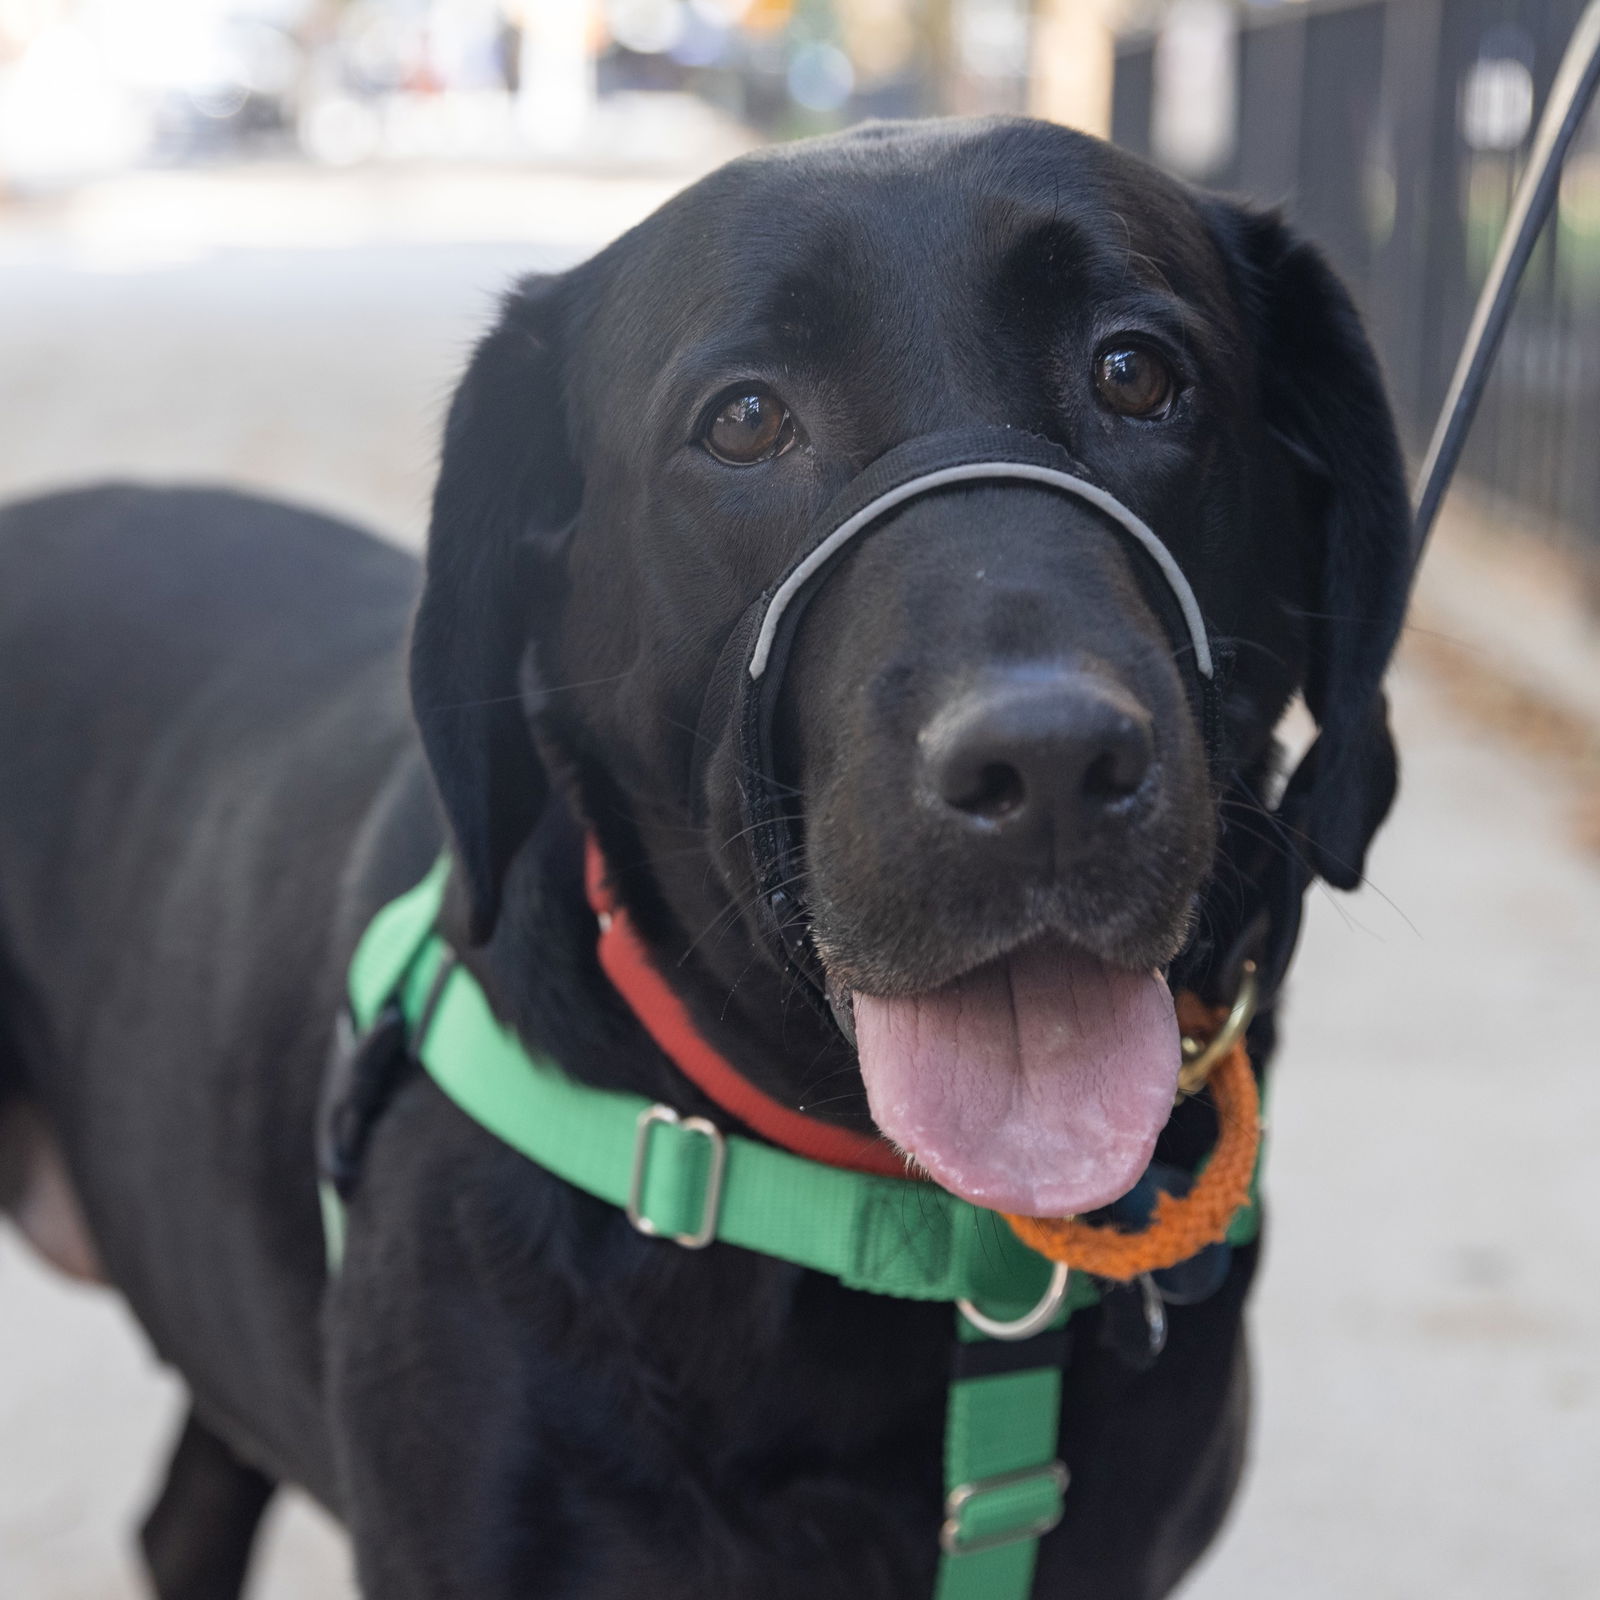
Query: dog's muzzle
x=757, y=653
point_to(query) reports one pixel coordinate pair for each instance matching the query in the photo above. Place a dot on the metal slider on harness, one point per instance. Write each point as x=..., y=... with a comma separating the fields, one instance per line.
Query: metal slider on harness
x=1031, y=1500
x=709, y=1206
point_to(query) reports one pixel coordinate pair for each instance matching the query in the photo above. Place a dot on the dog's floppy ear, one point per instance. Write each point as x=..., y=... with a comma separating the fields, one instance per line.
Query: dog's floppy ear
x=1323, y=396
x=508, y=490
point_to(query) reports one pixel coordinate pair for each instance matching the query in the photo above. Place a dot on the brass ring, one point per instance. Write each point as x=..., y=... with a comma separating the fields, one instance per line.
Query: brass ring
x=1199, y=1057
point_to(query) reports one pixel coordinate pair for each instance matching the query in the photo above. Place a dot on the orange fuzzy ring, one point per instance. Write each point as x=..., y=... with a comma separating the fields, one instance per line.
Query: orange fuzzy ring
x=1181, y=1227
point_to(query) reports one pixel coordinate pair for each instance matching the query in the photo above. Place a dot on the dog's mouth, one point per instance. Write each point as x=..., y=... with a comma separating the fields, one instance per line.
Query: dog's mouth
x=1036, y=1083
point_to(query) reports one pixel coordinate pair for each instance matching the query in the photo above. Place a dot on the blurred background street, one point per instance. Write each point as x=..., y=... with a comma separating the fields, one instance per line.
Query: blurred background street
x=253, y=243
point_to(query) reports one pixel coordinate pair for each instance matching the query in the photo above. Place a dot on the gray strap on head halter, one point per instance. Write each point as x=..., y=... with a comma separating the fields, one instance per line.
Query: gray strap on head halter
x=978, y=472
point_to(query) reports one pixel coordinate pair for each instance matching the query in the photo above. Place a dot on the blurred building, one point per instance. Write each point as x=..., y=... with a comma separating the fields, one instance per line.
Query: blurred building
x=89, y=86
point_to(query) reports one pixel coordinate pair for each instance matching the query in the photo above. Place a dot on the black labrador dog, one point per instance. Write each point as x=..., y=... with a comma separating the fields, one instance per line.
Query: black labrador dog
x=213, y=780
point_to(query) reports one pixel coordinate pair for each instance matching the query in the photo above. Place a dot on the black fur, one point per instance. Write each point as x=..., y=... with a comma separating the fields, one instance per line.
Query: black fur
x=213, y=781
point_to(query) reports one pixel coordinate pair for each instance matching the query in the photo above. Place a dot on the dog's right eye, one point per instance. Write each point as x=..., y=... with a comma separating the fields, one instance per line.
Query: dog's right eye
x=750, y=427
x=1134, y=381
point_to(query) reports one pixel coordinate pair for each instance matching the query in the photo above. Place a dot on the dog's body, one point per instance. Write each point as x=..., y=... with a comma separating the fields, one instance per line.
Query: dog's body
x=215, y=782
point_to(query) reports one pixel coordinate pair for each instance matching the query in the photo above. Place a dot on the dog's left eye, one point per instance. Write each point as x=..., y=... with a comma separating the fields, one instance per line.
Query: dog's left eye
x=1134, y=381
x=750, y=427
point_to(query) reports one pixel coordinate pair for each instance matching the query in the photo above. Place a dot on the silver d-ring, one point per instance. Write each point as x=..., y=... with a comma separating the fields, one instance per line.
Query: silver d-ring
x=1036, y=1321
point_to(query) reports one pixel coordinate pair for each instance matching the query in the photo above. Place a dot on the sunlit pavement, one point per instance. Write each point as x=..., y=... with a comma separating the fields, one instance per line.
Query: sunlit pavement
x=1428, y=1327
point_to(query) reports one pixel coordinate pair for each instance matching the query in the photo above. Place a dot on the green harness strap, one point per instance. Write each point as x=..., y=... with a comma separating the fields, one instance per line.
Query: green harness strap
x=684, y=1179
x=1003, y=1481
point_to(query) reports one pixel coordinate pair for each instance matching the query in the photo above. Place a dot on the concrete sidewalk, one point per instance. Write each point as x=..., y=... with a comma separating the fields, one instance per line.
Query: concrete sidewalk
x=1428, y=1324
x=1521, y=600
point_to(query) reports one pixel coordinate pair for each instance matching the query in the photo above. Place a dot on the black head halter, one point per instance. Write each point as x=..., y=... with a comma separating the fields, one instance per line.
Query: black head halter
x=760, y=646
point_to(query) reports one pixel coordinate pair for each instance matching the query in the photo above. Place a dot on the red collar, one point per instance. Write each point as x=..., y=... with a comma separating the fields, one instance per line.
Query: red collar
x=666, y=1019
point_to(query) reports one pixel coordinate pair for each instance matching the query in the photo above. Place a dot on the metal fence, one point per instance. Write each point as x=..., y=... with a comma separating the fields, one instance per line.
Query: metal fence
x=1392, y=132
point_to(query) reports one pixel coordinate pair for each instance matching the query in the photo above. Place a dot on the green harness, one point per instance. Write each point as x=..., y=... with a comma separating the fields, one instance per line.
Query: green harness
x=683, y=1179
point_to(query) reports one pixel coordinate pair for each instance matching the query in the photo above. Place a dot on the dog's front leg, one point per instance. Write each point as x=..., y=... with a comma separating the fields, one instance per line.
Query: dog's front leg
x=461, y=1438
x=198, y=1536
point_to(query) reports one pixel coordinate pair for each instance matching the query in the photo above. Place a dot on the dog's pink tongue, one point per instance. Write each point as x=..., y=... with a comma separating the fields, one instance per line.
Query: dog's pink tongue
x=1037, y=1084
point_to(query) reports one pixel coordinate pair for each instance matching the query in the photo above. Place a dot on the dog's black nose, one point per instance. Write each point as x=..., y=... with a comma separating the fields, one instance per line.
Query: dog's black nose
x=1039, y=759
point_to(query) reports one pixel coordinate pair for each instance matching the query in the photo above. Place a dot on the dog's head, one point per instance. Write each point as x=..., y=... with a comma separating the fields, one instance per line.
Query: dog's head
x=988, y=730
